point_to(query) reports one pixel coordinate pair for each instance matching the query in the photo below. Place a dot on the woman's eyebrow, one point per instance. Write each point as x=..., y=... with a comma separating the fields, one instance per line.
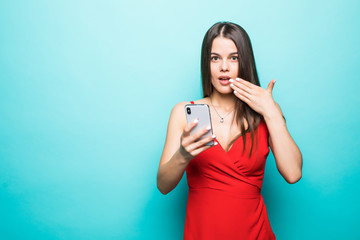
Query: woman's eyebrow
x=233, y=53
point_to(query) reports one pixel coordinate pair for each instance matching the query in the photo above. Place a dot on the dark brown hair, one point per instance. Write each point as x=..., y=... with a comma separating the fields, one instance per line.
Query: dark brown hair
x=247, y=71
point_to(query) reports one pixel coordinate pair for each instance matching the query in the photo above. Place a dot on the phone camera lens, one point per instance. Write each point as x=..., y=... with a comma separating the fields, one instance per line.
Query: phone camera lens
x=188, y=110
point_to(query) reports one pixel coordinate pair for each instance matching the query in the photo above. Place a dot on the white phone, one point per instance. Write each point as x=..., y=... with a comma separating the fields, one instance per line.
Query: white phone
x=202, y=112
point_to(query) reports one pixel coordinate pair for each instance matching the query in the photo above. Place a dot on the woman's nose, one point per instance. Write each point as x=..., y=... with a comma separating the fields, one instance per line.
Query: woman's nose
x=224, y=66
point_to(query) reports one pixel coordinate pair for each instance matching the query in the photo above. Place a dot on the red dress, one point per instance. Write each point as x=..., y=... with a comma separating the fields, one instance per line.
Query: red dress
x=224, y=201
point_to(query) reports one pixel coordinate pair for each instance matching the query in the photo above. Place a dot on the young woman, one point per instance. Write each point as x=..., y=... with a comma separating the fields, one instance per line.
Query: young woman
x=225, y=179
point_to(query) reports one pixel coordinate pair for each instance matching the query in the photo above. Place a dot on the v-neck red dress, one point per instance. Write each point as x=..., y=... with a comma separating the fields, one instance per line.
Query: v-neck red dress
x=224, y=200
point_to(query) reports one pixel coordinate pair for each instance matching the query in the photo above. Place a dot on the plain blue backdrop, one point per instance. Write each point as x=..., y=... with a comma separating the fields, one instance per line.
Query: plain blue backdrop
x=79, y=149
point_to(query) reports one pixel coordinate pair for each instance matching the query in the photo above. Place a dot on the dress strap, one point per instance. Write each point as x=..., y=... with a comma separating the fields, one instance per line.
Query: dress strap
x=192, y=102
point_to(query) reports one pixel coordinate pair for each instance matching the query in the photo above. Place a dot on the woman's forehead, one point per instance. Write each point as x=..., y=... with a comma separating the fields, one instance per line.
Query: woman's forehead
x=223, y=45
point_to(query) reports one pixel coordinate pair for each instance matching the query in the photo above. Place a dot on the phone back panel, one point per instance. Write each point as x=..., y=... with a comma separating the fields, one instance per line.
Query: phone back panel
x=202, y=112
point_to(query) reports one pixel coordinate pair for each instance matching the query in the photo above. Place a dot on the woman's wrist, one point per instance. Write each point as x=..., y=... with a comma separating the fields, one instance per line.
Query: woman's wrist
x=183, y=156
x=272, y=113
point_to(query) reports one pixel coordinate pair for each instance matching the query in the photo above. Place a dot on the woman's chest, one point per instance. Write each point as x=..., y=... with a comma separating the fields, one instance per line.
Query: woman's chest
x=225, y=131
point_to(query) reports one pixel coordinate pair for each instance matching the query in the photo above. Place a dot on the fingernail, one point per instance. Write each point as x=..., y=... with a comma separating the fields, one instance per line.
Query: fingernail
x=213, y=136
x=196, y=120
x=230, y=80
x=235, y=91
x=237, y=79
x=231, y=85
x=215, y=143
x=208, y=128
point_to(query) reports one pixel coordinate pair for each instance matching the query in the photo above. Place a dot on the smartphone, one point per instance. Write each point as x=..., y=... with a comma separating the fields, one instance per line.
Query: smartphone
x=202, y=112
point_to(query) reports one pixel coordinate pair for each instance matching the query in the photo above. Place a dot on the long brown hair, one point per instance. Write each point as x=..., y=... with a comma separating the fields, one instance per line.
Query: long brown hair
x=247, y=71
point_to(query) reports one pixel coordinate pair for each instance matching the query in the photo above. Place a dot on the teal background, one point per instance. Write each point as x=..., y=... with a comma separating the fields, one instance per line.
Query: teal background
x=79, y=149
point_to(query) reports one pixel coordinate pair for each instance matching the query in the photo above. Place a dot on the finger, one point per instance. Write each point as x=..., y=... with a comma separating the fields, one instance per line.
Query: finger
x=271, y=85
x=199, y=133
x=202, y=142
x=242, y=98
x=242, y=92
x=199, y=150
x=190, y=139
x=246, y=83
x=190, y=126
x=241, y=86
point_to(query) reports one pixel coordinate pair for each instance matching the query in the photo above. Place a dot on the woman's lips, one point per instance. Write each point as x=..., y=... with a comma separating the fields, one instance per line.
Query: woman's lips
x=224, y=81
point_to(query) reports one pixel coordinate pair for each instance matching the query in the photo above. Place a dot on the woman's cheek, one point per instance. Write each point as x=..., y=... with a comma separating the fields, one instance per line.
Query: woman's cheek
x=235, y=64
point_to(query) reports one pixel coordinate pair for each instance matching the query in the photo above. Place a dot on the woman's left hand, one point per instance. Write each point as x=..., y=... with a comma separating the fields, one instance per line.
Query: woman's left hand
x=259, y=99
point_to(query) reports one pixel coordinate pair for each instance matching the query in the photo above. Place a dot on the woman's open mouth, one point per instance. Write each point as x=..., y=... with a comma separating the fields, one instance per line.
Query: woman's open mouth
x=224, y=80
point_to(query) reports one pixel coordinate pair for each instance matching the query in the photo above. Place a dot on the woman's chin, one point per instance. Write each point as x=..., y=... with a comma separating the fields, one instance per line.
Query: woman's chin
x=225, y=91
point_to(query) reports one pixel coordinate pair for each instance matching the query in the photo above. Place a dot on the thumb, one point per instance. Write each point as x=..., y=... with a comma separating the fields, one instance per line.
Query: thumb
x=271, y=85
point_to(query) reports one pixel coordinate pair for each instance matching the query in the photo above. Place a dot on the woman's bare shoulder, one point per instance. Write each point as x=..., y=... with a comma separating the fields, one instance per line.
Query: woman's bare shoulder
x=177, y=115
x=204, y=100
x=178, y=112
x=181, y=105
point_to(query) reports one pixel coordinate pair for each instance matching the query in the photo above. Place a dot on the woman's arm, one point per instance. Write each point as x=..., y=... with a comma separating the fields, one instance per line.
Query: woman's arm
x=179, y=149
x=287, y=154
x=172, y=164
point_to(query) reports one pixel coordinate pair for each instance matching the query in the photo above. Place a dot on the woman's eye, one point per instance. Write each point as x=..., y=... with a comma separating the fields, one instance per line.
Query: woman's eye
x=234, y=58
x=214, y=58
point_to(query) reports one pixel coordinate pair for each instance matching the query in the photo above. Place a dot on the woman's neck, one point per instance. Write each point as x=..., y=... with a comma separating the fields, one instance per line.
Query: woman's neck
x=226, y=102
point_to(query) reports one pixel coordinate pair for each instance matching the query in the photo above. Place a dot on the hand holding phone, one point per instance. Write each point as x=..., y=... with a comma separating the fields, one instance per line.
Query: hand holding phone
x=198, y=135
x=202, y=113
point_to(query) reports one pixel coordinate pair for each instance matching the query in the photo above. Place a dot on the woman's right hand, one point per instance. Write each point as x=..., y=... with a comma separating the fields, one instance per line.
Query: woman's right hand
x=189, y=146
